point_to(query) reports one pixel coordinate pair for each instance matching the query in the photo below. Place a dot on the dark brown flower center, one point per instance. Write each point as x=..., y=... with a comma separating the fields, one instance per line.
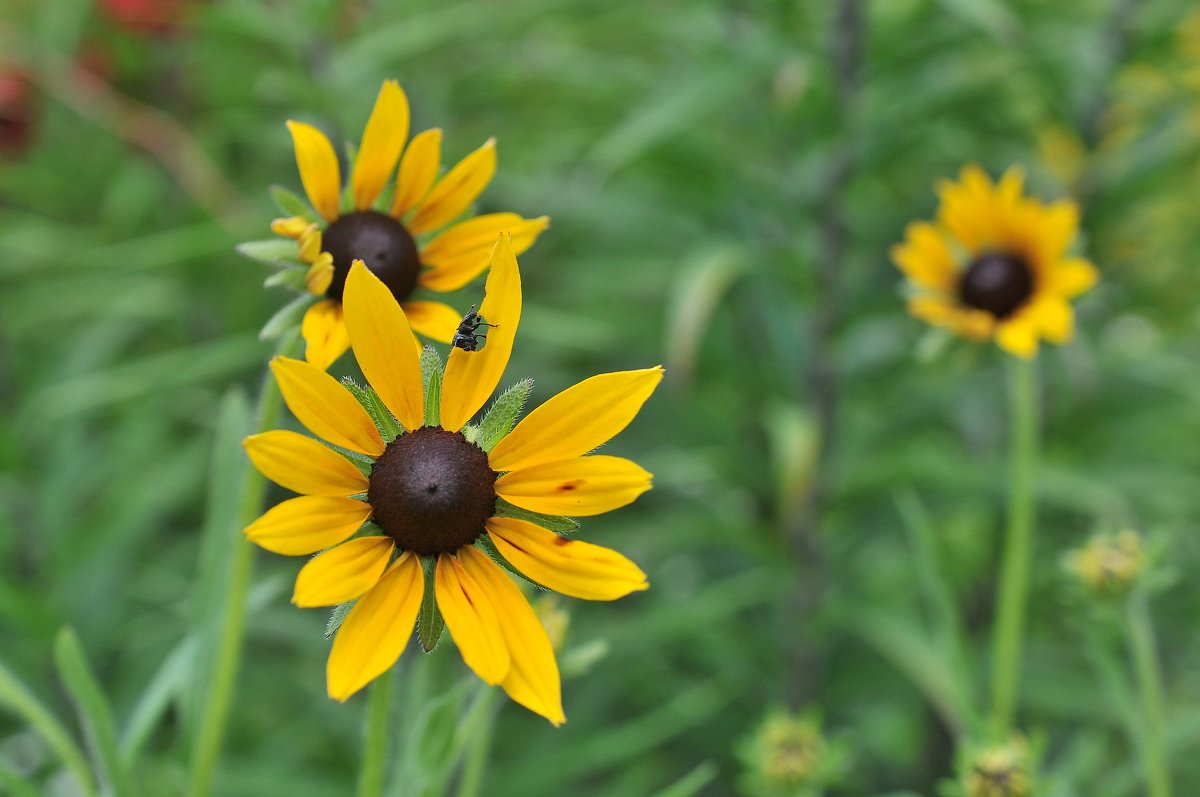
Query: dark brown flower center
x=431, y=491
x=381, y=243
x=996, y=282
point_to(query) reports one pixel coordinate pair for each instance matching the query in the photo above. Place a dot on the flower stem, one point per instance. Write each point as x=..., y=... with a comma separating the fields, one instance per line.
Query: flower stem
x=481, y=723
x=1149, y=678
x=375, y=745
x=1013, y=589
x=211, y=733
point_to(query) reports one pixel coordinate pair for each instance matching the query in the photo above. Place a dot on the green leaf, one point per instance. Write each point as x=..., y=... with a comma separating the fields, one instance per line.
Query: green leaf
x=429, y=622
x=172, y=676
x=279, y=252
x=290, y=204
x=559, y=525
x=95, y=715
x=336, y=617
x=286, y=317
x=431, y=363
x=503, y=414
x=17, y=698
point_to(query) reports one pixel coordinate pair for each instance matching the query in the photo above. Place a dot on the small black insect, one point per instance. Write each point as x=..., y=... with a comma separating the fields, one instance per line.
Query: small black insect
x=466, y=338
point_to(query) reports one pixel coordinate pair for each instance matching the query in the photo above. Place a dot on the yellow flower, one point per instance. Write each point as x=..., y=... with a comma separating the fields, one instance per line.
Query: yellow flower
x=1000, y=771
x=996, y=263
x=414, y=241
x=442, y=494
x=1109, y=565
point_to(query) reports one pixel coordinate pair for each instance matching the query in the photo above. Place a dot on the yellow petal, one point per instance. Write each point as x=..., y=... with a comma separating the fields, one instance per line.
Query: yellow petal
x=457, y=189
x=343, y=573
x=458, y=255
x=303, y=465
x=572, y=567
x=376, y=630
x=1054, y=317
x=1059, y=224
x=433, y=319
x=324, y=331
x=318, y=166
x=325, y=407
x=579, y=486
x=1019, y=335
x=418, y=170
x=577, y=420
x=471, y=376
x=1072, y=277
x=532, y=678
x=925, y=258
x=320, y=274
x=384, y=137
x=310, y=244
x=292, y=227
x=472, y=621
x=308, y=524
x=383, y=345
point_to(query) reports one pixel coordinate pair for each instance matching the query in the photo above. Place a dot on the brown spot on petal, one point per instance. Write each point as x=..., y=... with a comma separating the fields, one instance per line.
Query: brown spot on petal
x=561, y=540
x=567, y=487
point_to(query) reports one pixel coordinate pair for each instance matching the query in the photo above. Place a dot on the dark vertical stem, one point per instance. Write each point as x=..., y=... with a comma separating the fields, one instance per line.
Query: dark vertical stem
x=845, y=56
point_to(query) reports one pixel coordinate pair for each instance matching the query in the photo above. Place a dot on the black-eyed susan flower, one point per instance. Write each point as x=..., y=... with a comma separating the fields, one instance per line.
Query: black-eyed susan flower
x=996, y=264
x=411, y=236
x=414, y=506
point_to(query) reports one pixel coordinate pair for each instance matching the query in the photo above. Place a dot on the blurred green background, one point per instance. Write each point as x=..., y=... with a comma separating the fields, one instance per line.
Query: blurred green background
x=724, y=179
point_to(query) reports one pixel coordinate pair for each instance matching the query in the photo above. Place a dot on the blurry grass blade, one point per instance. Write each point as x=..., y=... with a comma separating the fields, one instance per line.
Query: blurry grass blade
x=134, y=379
x=13, y=784
x=793, y=440
x=669, y=112
x=902, y=644
x=555, y=523
x=993, y=17
x=94, y=712
x=695, y=294
x=220, y=533
x=429, y=622
x=15, y=696
x=290, y=204
x=285, y=317
x=503, y=414
x=278, y=252
x=168, y=682
x=692, y=783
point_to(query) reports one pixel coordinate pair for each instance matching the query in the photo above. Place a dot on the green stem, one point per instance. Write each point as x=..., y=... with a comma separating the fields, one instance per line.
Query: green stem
x=479, y=743
x=1149, y=678
x=375, y=745
x=1013, y=589
x=207, y=748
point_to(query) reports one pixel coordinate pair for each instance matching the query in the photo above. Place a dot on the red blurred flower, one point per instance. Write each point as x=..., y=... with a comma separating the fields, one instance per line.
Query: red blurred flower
x=16, y=111
x=145, y=17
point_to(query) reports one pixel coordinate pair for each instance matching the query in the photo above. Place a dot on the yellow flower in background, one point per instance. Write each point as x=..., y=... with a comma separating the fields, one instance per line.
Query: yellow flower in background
x=445, y=499
x=414, y=239
x=996, y=263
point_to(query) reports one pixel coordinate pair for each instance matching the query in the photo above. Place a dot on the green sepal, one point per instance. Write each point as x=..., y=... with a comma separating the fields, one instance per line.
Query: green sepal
x=485, y=544
x=278, y=252
x=290, y=204
x=336, y=617
x=294, y=278
x=429, y=621
x=431, y=377
x=555, y=523
x=387, y=425
x=285, y=318
x=502, y=415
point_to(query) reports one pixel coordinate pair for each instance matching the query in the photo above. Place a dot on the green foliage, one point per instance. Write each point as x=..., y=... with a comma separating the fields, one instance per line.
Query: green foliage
x=502, y=415
x=686, y=153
